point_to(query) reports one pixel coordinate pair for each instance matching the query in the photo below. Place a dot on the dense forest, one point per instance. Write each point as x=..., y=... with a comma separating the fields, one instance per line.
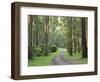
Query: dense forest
x=47, y=34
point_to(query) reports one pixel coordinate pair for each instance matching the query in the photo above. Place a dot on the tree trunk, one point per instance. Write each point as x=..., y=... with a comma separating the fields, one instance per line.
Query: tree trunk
x=84, y=44
x=69, y=44
x=36, y=38
x=78, y=48
x=46, y=25
x=75, y=44
x=30, y=25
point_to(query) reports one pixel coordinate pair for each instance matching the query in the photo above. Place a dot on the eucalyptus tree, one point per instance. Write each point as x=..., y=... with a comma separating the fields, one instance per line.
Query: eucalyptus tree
x=84, y=43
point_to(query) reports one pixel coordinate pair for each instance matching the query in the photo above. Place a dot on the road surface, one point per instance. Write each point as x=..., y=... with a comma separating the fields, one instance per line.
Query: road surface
x=60, y=60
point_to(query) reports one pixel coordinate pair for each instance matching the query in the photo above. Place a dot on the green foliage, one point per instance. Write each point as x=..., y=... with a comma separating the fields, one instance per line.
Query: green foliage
x=38, y=51
x=53, y=48
x=42, y=60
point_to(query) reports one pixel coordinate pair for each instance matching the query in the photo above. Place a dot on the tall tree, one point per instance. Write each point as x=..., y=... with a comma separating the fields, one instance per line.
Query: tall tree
x=69, y=43
x=84, y=44
x=76, y=34
x=30, y=25
x=46, y=27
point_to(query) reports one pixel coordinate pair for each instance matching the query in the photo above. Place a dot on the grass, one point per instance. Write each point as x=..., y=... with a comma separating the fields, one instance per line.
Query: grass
x=42, y=60
x=75, y=58
x=46, y=60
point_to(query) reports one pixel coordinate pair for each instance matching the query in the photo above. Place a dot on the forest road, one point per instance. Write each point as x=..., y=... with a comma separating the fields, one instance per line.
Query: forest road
x=60, y=60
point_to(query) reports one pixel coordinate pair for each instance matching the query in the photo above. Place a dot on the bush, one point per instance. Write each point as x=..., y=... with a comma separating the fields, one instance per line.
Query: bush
x=53, y=48
x=42, y=47
x=38, y=51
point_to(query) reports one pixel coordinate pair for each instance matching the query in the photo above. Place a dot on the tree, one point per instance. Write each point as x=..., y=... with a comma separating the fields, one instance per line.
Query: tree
x=76, y=34
x=84, y=44
x=69, y=43
x=46, y=27
x=30, y=25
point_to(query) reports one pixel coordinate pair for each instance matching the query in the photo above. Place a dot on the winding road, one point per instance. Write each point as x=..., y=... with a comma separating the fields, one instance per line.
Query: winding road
x=60, y=60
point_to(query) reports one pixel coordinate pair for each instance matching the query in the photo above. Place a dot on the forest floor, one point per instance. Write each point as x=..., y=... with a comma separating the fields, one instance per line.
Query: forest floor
x=65, y=59
x=61, y=57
